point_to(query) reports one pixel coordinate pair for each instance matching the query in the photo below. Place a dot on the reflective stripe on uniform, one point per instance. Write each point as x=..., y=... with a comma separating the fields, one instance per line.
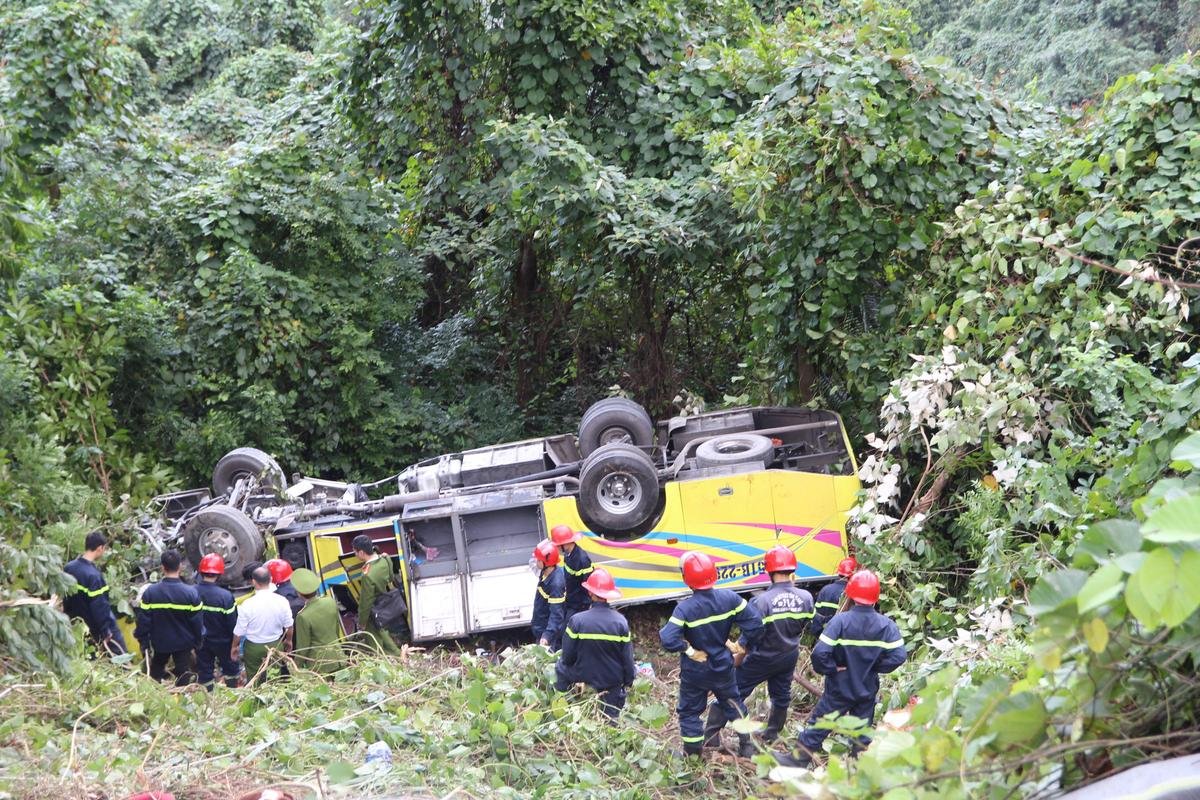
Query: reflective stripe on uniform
x=788, y=615
x=218, y=609
x=833, y=606
x=691, y=739
x=169, y=607
x=91, y=592
x=550, y=599
x=577, y=572
x=695, y=623
x=604, y=637
x=862, y=643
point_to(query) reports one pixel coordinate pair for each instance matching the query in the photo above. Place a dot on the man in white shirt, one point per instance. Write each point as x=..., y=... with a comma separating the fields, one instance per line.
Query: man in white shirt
x=265, y=620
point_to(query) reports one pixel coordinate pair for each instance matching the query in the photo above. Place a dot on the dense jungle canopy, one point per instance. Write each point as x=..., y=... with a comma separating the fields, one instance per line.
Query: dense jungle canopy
x=359, y=235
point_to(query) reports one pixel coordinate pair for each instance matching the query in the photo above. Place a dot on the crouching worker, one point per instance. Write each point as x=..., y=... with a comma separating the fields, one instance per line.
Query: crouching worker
x=699, y=630
x=856, y=647
x=318, y=626
x=597, y=648
x=220, y=617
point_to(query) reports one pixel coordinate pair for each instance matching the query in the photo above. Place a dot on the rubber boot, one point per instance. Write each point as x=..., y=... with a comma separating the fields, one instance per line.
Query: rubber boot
x=746, y=746
x=798, y=758
x=713, y=726
x=689, y=750
x=775, y=723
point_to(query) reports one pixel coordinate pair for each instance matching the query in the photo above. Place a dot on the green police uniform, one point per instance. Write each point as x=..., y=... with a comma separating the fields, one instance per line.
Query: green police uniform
x=377, y=579
x=318, y=628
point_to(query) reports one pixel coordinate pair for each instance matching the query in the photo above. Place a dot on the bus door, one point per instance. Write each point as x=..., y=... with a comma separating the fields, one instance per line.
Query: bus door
x=500, y=531
x=433, y=540
x=340, y=570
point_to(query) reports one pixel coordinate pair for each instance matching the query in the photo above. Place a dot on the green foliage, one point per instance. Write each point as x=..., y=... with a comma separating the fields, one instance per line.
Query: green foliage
x=452, y=723
x=1066, y=50
x=58, y=72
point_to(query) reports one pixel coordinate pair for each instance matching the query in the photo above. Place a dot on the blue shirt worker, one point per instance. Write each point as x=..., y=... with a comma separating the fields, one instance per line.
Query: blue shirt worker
x=829, y=599
x=220, y=616
x=90, y=601
x=699, y=629
x=786, y=612
x=577, y=564
x=550, y=598
x=597, y=648
x=856, y=647
x=169, y=623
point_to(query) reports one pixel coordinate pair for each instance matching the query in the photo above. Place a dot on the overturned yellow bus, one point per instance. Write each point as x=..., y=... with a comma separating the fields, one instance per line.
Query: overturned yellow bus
x=462, y=526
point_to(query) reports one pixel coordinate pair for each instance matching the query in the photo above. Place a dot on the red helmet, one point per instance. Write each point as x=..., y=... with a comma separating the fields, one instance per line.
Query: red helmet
x=546, y=553
x=600, y=583
x=780, y=559
x=212, y=564
x=280, y=570
x=699, y=571
x=863, y=587
x=847, y=566
x=564, y=534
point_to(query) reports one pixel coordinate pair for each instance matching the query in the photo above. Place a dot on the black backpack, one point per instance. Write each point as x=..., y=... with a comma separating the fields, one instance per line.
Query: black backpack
x=390, y=609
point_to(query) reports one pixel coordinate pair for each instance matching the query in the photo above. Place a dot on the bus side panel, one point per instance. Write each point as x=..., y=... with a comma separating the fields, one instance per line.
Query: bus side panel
x=732, y=519
x=645, y=568
x=811, y=518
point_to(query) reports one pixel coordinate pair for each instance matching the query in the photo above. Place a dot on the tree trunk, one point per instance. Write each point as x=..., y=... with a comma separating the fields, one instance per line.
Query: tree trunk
x=529, y=341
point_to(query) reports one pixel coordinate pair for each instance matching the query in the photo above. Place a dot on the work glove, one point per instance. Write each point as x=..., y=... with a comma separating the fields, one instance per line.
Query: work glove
x=696, y=655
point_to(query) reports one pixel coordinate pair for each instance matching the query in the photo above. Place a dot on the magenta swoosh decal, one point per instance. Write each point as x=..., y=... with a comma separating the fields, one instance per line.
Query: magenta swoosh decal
x=650, y=548
x=826, y=536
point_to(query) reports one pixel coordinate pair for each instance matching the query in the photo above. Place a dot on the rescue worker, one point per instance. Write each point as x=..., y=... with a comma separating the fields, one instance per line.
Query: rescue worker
x=577, y=564
x=829, y=599
x=699, y=629
x=170, y=625
x=318, y=626
x=597, y=648
x=281, y=576
x=786, y=612
x=376, y=579
x=90, y=602
x=550, y=599
x=220, y=618
x=857, y=646
x=264, y=620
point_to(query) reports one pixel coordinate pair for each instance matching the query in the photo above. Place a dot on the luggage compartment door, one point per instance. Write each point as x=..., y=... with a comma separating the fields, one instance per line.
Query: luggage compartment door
x=500, y=585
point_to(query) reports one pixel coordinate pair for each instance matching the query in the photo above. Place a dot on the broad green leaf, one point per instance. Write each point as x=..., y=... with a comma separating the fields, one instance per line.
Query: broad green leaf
x=1163, y=592
x=1055, y=590
x=1112, y=537
x=1188, y=450
x=1104, y=585
x=476, y=695
x=746, y=725
x=340, y=772
x=1176, y=520
x=1095, y=632
x=1019, y=719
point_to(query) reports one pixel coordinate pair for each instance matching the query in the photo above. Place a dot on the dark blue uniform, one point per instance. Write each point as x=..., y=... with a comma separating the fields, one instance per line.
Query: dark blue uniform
x=578, y=565
x=170, y=627
x=598, y=650
x=548, y=605
x=90, y=603
x=829, y=600
x=857, y=646
x=704, y=621
x=786, y=612
x=219, y=614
